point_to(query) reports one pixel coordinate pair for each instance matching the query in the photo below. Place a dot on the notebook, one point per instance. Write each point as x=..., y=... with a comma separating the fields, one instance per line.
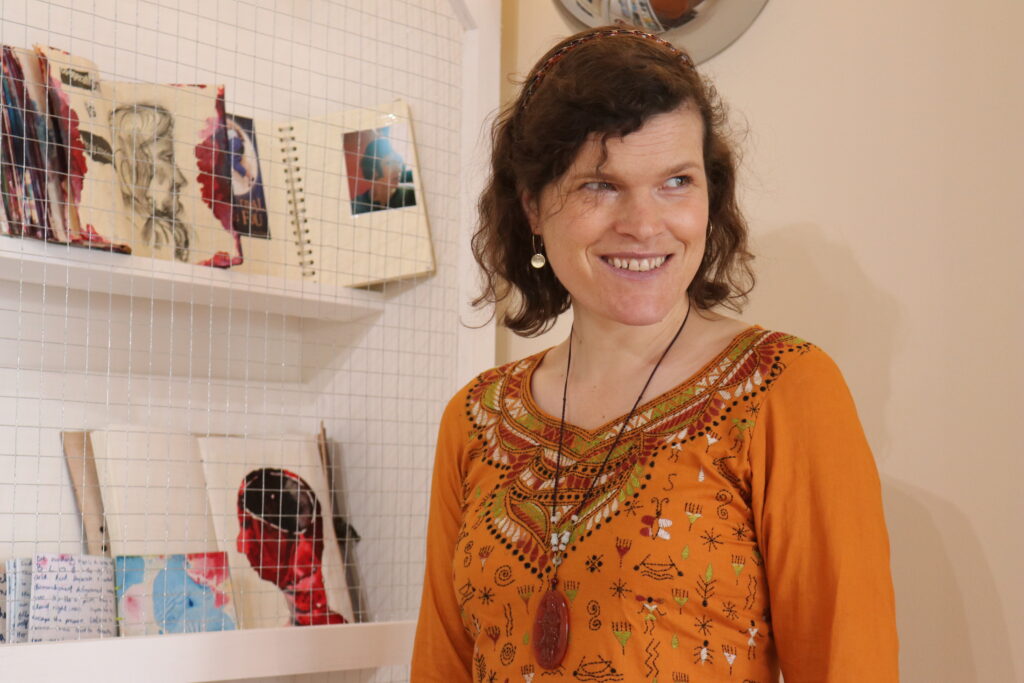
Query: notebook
x=182, y=593
x=154, y=494
x=72, y=598
x=342, y=197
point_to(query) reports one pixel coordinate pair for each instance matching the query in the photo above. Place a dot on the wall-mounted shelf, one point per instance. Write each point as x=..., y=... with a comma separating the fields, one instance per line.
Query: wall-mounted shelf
x=61, y=265
x=228, y=655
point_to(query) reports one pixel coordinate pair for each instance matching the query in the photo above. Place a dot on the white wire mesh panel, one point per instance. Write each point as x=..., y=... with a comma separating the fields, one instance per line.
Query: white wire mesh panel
x=155, y=405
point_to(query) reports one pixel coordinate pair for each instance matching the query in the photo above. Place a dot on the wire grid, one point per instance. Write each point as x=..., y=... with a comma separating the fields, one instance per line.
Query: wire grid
x=175, y=350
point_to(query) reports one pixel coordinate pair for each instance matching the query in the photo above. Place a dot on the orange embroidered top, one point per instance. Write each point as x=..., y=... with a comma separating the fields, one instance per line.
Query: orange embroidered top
x=736, y=530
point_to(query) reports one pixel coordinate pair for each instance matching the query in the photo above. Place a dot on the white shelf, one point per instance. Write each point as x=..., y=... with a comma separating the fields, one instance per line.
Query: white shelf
x=228, y=655
x=61, y=265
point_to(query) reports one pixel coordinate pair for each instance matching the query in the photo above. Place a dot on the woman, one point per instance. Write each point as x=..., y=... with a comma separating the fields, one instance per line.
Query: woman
x=669, y=493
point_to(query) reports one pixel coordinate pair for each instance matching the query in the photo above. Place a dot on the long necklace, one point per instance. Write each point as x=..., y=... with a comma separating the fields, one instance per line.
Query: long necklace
x=551, y=625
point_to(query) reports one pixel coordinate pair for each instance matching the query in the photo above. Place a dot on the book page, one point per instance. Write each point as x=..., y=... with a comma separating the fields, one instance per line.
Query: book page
x=83, y=120
x=169, y=168
x=275, y=251
x=19, y=591
x=72, y=598
x=274, y=518
x=184, y=593
x=154, y=493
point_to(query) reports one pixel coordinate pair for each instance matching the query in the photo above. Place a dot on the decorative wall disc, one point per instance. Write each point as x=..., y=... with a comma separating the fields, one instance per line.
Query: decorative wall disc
x=702, y=27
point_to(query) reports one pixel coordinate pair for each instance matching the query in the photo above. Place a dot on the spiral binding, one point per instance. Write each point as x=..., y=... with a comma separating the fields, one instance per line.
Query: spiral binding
x=297, y=201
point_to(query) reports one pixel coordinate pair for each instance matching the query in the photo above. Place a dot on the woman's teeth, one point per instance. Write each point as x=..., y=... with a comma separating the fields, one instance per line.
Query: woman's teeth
x=638, y=265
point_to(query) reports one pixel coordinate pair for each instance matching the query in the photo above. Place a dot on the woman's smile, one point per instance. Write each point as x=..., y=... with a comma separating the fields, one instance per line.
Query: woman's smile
x=636, y=264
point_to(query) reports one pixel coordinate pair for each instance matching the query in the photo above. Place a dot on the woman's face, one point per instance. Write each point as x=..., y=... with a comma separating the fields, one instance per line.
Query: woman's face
x=625, y=234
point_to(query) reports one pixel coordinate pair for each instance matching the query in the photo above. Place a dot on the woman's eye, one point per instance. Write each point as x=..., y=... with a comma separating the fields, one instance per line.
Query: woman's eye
x=679, y=181
x=598, y=186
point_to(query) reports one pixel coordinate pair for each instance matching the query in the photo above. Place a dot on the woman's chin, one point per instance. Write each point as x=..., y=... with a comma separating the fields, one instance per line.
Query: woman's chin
x=635, y=317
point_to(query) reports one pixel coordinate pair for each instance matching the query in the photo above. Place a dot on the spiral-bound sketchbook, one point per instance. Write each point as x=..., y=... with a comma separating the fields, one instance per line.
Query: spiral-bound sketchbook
x=340, y=196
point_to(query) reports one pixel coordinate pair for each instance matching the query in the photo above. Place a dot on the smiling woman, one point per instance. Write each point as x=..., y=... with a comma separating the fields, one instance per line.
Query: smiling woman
x=669, y=492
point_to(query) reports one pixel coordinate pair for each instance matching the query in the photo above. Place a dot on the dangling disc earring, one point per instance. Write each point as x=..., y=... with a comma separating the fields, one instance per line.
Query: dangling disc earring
x=537, y=260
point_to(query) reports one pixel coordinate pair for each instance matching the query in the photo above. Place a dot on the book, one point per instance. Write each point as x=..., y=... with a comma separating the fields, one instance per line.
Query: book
x=30, y=198
x=162, y=171
x=74, y=86
x=182, y=593
x=273, y=513
x=72, y=597
x=148, y=167
x=341, y=196
x=153, y=490
x=18, y=572
x=263, y=501
x=85, y=483
x=61, y=218
x=3, y=604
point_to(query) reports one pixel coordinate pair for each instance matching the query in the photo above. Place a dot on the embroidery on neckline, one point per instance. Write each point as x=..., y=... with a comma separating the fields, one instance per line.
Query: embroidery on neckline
x=512, y=435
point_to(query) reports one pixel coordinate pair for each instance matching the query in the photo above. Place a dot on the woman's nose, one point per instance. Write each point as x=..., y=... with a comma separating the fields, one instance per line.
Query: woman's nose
x=638, y=215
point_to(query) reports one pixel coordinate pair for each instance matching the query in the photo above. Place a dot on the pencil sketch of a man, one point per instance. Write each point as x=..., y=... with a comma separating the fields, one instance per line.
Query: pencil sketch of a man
x=149, y=178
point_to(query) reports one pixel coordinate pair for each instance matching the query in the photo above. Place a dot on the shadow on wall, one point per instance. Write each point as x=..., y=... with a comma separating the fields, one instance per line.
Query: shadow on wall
x=950, y=619
x=811, y=286
x=943, y=588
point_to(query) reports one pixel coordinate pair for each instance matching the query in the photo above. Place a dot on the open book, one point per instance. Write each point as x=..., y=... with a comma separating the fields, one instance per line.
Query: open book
x=336, y=200
x=147, y=163
x=162, y=171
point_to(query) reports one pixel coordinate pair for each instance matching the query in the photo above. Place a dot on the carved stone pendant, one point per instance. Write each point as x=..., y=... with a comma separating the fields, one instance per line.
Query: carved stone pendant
x=551, y=630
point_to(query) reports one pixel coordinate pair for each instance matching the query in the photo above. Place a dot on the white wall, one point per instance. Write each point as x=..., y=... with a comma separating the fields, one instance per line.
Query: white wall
x=882, y=160
x=379, y=384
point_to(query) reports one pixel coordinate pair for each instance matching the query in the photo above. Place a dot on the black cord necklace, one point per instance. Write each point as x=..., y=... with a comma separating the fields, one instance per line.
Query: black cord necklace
x=551, y=626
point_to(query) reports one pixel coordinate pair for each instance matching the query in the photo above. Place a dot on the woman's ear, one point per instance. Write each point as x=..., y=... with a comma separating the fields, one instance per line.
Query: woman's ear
x=529, y=204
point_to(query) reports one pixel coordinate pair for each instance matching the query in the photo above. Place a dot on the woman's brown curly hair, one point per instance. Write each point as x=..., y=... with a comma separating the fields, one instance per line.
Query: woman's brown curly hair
x=608, y=82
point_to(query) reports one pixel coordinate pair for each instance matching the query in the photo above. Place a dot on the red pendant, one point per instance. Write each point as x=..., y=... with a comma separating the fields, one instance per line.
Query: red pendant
x=551, y=630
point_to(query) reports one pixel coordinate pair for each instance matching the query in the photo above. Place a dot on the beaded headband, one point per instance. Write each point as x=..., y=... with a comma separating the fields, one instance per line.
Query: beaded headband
x=606, y=33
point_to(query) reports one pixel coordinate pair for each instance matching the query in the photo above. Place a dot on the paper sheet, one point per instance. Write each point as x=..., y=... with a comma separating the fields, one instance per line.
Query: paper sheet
x=72, y=598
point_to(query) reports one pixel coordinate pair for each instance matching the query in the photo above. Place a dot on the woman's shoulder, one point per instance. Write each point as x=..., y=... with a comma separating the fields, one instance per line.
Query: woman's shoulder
x=782, y=357
x=487, y=386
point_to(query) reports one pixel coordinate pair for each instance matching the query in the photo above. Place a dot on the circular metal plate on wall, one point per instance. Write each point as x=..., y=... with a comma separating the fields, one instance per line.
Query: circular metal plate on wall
x=702, y=27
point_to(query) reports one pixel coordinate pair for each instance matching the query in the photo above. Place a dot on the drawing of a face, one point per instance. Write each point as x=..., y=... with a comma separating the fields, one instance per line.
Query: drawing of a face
x=280, y=529
x=149, y=177
x=280, y=532
x=166, y=180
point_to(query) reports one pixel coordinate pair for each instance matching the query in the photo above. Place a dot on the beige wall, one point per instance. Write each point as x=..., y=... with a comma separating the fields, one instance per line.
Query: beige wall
x=882, y=160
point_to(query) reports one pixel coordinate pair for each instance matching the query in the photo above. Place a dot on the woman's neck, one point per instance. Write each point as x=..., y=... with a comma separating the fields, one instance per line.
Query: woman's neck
x=606, y=350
